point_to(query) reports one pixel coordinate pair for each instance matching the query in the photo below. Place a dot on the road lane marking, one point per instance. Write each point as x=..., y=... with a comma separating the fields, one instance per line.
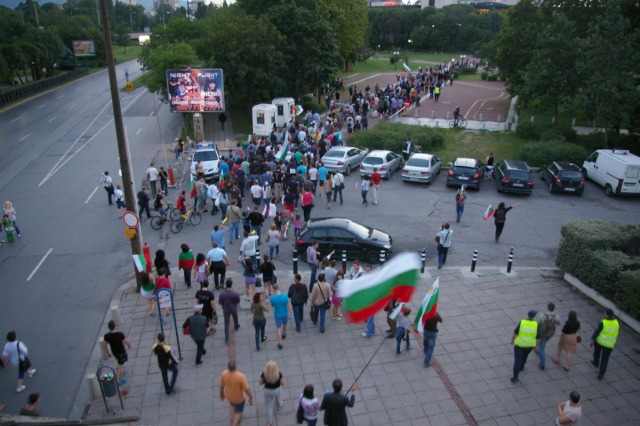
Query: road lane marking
x=94, y=191
x=15, y=119
x=139, y=130
x=60, y=97
x=54, y=117
x=89, y=96
x=41, y=106
x=39, y=264
x=72, y=106
x=24, y=137
x=151, y=115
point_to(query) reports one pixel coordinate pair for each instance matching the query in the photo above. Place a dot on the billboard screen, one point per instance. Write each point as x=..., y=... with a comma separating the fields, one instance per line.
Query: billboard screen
x=84, y=48
x=195, y=90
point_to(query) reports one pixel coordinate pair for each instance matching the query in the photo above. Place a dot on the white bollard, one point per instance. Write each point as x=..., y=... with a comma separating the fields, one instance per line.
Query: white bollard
x=115, y=315
x=481, y=117
x=100, y=343
x=533, y=119
x=92, y=383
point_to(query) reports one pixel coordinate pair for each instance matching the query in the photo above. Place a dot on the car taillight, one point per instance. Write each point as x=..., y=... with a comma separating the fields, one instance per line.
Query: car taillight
x=424, y=173
x=530, y=182
x=405, y=172
x=299, y=242
x=582, y=182
x=383, y=168
x=340, y=163
x=450, y=172
x=505, y=179
x=361, y=166
x=476, y=176
x=558, y=181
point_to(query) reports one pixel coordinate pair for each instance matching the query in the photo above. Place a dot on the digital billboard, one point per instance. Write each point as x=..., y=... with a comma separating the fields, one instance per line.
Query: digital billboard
x=195, y=90
x=84, y=48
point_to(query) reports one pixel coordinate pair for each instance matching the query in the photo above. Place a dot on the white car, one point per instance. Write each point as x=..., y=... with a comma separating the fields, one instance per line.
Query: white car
x=385, y=161
x=207, y=154
x=421, y=168
x=343, y=158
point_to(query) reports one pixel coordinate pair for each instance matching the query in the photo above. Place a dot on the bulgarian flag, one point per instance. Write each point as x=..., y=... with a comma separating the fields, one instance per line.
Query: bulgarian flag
x=365, y=296
x=140, y=262
x=405, y=67
x=396, y=312
x=193, y=188
x=299, y=110
x=428, y=308
x=489, y=212
x=284, y=150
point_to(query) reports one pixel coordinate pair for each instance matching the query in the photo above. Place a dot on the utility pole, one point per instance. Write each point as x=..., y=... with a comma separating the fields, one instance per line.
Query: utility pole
x=127, y=184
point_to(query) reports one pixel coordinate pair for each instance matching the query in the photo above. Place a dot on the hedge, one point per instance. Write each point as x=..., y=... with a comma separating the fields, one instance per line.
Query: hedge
x=540, y=153
x=604, y=256
x=392, y=136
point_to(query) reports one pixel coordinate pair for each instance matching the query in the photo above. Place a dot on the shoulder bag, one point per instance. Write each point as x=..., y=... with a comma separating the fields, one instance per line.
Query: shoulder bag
x=327, y=302
x=23, y=364
x=300, y=412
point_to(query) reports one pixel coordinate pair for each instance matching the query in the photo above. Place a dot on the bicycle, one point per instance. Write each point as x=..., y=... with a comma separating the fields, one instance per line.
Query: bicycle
x=461, y=122
x=169, y=214
x=191, y=217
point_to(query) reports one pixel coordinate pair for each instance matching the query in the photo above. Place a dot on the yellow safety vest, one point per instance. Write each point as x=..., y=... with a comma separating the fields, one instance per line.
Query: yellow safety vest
x=609, y=333
x=527, y=333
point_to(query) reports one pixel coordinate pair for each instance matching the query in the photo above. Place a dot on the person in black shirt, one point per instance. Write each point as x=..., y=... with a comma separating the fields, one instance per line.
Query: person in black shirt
x=143, y=202
x=206, y=298
x=335, y=405
x=116, y=341
x=429, y=335
x=166, y=362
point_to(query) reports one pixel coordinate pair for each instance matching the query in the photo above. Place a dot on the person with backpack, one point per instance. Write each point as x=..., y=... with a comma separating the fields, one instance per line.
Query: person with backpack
x=547, y=322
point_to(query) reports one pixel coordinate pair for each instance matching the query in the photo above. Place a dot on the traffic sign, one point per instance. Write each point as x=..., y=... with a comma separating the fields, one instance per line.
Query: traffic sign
x=131, y=220
x=126, y=74
x=129, y=86
x=129, y=233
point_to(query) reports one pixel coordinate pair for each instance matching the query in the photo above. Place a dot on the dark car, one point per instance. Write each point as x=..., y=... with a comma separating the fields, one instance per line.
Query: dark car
x=465, y=171
x=334, y=233
x=563, y=177
x=513, y=176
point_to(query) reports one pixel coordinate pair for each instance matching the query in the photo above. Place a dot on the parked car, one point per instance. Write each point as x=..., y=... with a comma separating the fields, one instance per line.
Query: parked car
x=334, y=233
x=513, y=176
x=563, y=177
x=344, y=158
x=421, y=168
x=466, y=171
x=618, y=171
x=385, y=161
x=207, y=154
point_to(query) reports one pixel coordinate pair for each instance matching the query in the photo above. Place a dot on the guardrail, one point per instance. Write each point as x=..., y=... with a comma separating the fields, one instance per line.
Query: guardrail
x=39, y=86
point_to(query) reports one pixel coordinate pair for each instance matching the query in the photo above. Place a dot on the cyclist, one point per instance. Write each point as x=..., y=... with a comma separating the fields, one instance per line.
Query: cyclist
x=456, y=116
x=159, y=203
x=181, y=203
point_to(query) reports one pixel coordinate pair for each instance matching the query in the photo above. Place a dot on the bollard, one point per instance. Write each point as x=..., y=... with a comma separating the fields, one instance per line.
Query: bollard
x=447, y=118
x=573, y=122
x=295, y=261
x=474, y=259
x=257, y=259
x=433, y=115
x=415, y=113
x=510, y=261
x=382, y=257
x=344, y=262
x=499, y=118
x=533, y=119
x=115, y=315
x=484, y=125
x=91, y=383
x=423, y=257
x=101, y=344
x=481, y=117
x=437, y=124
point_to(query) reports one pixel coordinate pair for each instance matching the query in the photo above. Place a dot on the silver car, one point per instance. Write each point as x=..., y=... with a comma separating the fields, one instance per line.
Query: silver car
x=385, y=161
x=343, y=158
x=421, y=168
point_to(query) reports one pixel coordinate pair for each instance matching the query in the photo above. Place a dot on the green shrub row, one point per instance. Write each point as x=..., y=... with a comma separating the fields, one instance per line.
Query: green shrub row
x=537, y=154
x=535, y=132
x=392, y=136
x=604, y=256
x=468, y=70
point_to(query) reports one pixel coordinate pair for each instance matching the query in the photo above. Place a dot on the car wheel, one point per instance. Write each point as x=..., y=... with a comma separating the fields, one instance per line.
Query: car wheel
x=372, y=257
x=608, y=191
x=580, y=193
x=348, y=171
x=499, y=187
x=303, y=255
x=551, y=188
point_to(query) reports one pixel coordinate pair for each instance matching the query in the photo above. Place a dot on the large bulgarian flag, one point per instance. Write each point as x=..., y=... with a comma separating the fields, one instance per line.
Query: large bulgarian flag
x=370, y=293
x=428, y=307
x=284, y=149
x=406, y=68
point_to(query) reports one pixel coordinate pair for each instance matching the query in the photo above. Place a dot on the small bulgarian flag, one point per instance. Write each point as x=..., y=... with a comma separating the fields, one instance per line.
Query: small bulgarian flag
x=428, y=308
x=284, y=150
x=406, y=67
x=365, y=296
x=489, y=212
x=299, y=110
x=140, y=262
x=193, y=188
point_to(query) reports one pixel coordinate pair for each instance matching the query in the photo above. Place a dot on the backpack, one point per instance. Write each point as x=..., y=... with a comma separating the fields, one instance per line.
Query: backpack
x=547, y=327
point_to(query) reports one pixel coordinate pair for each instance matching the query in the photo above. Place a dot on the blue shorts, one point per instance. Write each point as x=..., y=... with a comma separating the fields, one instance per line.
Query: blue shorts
x=120, y=204
x=238, y=408
x=280, y=321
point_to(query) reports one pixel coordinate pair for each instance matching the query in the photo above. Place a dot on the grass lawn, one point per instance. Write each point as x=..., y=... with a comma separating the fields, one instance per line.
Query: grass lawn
x=124, y=54
x=470, y=77
x=503, y=145
x=565, y=117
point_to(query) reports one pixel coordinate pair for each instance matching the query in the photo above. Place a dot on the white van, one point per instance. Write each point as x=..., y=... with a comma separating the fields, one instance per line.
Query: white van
x=618, y=171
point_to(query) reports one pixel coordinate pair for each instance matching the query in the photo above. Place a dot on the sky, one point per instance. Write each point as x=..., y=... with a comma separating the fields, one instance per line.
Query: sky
x=148, y=4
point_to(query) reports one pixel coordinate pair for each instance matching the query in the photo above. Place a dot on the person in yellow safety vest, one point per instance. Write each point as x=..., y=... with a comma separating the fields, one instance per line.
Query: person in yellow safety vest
x=604, y=339
x=525, y=338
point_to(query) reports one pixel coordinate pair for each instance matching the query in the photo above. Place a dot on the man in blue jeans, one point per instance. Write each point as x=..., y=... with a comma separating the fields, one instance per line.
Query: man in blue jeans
x=299, y=295
x=166, y=362
x=229, y=299
x=429, y=334
x=445, y=235
x=312, y=260
x=547, y=322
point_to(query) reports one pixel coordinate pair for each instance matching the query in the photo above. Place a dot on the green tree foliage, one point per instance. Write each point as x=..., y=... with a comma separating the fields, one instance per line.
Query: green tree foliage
x=171, y=56
x=348, y=20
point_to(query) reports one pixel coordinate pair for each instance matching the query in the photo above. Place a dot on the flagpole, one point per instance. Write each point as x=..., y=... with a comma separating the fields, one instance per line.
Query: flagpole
x=366, y=365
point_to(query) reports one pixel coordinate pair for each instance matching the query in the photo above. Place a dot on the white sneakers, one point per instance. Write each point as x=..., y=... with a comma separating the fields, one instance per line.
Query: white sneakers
x=20, y=388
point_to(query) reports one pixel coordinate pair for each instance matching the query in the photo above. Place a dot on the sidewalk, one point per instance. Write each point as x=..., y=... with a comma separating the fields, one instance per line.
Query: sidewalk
x=468, y=384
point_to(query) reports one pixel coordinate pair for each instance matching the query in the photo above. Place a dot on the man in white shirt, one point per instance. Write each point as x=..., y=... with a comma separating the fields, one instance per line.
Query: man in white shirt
x=338, y=186
x=212, y=193
x=256, y=193
x=313, y=177
x=152, y=177
x=569, y=412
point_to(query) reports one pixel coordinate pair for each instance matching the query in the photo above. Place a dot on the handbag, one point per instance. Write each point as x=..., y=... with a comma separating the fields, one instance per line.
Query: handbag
x=23, y=364
x=300, y=412
x=186, y=330
x=327, y=302
x=214, y=318
x=579, y=339
x=258, y=282
x=312, y=313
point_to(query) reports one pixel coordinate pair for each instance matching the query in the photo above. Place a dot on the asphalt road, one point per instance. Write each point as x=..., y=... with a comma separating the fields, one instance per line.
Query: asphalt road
x=59, y=277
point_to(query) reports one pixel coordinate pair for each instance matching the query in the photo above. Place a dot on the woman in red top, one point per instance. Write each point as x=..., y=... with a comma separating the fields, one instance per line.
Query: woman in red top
x=306, y=199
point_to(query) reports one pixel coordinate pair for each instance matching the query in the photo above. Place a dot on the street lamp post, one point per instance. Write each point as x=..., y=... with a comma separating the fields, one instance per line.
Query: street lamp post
x=396, y=54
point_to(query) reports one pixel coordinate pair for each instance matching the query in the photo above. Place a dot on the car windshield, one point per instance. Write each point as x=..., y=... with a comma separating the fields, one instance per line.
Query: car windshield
x=418, y=162
x=570, y=174
x=361, y=231
x=518, y=174
x=464, y=170
x=205, y=156
x=334, y=154
x=373, y=160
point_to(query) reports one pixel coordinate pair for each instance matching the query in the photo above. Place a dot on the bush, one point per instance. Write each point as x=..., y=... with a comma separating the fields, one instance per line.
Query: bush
x=553, y=134
x=493, y=77
x=456, y=74
x=529, y=131
x=468, y=70
x=538, y=154
x=484, y=75
x=392, y=136
x=616, y=140
x=629, y=300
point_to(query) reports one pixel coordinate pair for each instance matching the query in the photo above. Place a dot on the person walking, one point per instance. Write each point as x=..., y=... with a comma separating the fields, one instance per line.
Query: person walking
x=201, y=269
x=281, y=312
x=233, y=215
x=273, y=381
x=233, y=386
x=429, y=335
x=568, y=340
x=338, y=186
x=186, y=263
x=229, y=299
x=299, y=295
x=147, y=290
x=120, y=204
x=320, y=298
x=309, y=405
x=461, y=197
x=273, y=238
x=365, y=185
x=218, y=263
x=603, y=341
x=547, y=322
x=29, y=408
x=443, y=236
x=213, y=193
x=313, y=262
x=402, y=331
x=152, y=177
x=258, y=309
x=376, y=184
x=164, y=180
x=500, y=217
x=306, y=200
x=326, y=188
x=569, y=411
x=16, y=353
x=268, y=270
x=115, y=340
x=107, y=184
x=143, y=202
x=197, y=325
x=166, y=362
x=526, y=337
x=335, y=404
x=207, y=299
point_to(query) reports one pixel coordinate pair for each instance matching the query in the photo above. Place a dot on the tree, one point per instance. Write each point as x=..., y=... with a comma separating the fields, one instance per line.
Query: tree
x=120, y=36
x=348, y=20
x=172, y=56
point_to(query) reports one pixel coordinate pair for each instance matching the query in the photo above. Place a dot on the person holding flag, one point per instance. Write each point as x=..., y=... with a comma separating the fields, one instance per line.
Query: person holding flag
x=427, y=320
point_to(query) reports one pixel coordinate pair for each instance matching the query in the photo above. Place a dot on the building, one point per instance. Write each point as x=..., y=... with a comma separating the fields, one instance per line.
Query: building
x=491, y=4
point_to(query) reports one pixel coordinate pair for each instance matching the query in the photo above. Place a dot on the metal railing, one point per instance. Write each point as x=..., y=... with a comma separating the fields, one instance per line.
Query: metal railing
x=39, y=86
